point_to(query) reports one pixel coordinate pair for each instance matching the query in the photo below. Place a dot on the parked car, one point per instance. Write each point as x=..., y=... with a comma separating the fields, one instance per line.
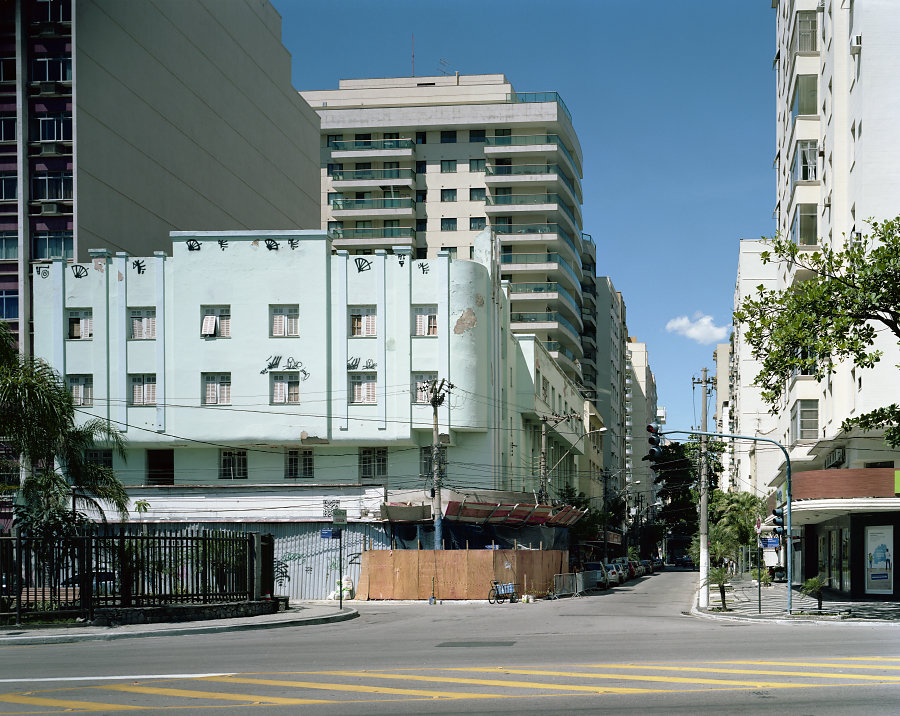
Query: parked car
x=638, y=569
x=615, y=576
x=648, y=566
x=601, y=574
x=105, y=583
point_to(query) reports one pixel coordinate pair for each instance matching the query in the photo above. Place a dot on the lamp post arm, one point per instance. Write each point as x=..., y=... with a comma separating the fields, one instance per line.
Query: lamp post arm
x=787, y=503
x=566, y=453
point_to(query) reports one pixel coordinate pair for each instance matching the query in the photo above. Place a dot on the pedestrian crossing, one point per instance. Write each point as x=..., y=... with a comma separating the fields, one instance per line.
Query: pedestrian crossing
x=456, y=683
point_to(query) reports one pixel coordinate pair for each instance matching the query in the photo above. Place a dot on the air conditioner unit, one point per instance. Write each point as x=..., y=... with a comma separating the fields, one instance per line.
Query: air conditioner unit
x=855, y=44
x=49, y=208
x=51, y=149
x=48, y=88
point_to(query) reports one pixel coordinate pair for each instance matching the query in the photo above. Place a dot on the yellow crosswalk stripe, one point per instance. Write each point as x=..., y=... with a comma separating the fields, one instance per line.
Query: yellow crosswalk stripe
x=494, y=682
x=353, y=687
x=636, y=677
x=190, y=693
x=66, y=703
x=867, y=658
x=819, y=664
x=757, y=672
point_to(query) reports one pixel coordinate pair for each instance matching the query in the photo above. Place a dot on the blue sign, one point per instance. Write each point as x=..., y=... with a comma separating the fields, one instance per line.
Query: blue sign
x=769, y=542
x=330, y=533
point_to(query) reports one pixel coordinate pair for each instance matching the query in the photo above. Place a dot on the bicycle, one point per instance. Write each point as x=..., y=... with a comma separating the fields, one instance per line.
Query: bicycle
x=500, y=592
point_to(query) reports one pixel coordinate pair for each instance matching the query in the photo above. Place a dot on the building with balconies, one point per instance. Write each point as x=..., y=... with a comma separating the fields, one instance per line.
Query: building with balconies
x=837, y=159
x=641, y=410
x=429, y=162
x=121, y=121
x=612, y=363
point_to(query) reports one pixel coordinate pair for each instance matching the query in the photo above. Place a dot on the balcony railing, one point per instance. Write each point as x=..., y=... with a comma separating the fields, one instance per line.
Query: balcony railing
x=388, y=232
x=528, y=200
x=547, y=287
x=547, y=317
x=542, y=258
x=524, y=140
x=557, y=347
x=364, y=174
x=540, y=97
x=524, y=229
x=513, y=170
x=386, y=203
x=361, y=145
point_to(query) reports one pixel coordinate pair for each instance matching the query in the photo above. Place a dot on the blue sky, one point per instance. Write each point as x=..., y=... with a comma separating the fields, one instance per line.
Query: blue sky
x=674, y=103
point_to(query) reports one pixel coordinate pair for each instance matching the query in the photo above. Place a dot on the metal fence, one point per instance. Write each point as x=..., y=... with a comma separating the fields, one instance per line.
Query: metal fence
x=74, y=576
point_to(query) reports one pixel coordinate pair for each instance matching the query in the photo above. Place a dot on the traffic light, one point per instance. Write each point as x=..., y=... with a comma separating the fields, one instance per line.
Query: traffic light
x=778, y=514
x=654, y=455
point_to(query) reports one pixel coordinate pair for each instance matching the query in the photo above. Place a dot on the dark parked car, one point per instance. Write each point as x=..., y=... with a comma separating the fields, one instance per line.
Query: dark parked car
x=104, y=582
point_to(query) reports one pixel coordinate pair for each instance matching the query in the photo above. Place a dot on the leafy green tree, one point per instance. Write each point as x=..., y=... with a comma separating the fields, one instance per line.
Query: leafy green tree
x=834, y=314
x=38, y=424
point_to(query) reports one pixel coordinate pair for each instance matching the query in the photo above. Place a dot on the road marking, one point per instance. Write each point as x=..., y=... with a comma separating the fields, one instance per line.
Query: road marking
x=192, y=694
x=356, y=688
x=66, y=704
x=758, y=672
x=809, y=663
x=636, y=677
x=28, y=680
x=493, y=682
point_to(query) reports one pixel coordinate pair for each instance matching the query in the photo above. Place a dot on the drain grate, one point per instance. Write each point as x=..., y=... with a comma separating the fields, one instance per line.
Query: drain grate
x=477, y=644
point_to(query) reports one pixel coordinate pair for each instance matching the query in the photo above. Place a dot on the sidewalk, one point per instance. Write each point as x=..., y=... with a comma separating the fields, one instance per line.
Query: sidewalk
x=742, y=601
x=305, y=614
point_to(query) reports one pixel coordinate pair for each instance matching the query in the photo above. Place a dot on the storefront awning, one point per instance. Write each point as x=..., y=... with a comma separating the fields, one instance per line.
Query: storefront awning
x=511, y=514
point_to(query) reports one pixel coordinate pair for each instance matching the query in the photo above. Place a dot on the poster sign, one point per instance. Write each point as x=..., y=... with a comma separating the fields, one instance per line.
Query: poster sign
x=880, y=559
x=339, y=517
x=769, y=542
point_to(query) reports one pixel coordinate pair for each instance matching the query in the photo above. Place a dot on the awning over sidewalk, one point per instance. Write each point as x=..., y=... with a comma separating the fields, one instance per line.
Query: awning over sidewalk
x=511, y=514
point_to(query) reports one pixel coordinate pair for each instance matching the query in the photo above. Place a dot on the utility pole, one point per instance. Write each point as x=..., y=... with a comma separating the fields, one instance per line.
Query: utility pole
x=438, y=391
x=704, y=498
x=605, y=475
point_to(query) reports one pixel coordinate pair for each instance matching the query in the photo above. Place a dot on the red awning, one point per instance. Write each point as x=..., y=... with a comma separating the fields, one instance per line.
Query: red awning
x=511, y=514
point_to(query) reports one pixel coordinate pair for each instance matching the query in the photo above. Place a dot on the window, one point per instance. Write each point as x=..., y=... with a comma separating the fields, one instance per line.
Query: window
x=421, y=224
x=476, y=165
x=285, y=321
x=333, y=167
x=363, y=140
x=476, y=194
x=332, y=138
x=216, y=321
x=448, y=194
x=286, y=388
x=217, y=388
x=52, y=185
x=477, y=223
x=232, y=464
x=805, y=96
x=334, y=199
x=9, y=245
x=804, y=228
x=477, y=135
x=392, y=170
x=448, y=224
x=421, y=167
x=52, y=244
x=391, y=228
x=336, y=228
x=805, y=161
x=54, y=127
x=425, y=460
x=421, y=138
x=8, y=128
x=424, y=320
x=143, y=389
x=8, y=69
x=421, y=195
x=362, y=388
x=9, y=466
x=9, y=186
x=448, y=136
x=143, y=324
x=82, y=387
x=81, y=324
x=448, y=166
x=9, y=303
x=99, y=456
x=51, y=69
x=421, y=387
x=805, y=32
x=298, y=463
x=372, y=463
x=805, y=420
x=362, y=321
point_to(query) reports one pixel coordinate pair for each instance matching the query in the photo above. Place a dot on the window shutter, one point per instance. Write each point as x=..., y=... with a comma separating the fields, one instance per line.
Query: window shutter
x=150, y=327
x=225, y=325
x=78, y=393
x=292, y=322
x=279, y=389
x=421, y=322
x=370, y=324
x=137, y=325
x=277, y=323
x=357, y=388
x=209, y=326
x=87, y=327
x=137, y=390
x=225, y=390
x=212, y=392
x=88, y=392
x=370, y=389
x=293, y=390
x=150, y=390
x=432, y=324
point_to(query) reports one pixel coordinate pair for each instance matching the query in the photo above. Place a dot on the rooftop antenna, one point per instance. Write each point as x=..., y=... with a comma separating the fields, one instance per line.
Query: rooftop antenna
x=412, y=37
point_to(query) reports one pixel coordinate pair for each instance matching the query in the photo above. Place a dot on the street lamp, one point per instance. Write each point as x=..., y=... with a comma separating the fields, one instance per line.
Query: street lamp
x=544, y=471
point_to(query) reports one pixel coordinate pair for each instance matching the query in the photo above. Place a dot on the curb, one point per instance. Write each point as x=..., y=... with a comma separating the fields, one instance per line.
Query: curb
x=24, y=640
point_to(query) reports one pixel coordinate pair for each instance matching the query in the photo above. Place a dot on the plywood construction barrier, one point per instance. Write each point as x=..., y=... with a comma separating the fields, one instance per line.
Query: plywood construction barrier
x=456, y=574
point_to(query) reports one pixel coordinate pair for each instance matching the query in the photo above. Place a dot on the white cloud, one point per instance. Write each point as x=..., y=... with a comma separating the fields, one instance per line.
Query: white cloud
x=701, y=328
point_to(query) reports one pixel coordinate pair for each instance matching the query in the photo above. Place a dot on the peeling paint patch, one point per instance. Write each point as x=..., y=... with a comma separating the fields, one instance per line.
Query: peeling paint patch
x=479, y=300
x=121, y=276
x=99, y=265
x=466, y=322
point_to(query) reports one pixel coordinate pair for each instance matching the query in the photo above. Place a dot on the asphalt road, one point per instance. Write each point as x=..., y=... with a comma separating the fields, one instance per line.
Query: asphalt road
x=632, y=649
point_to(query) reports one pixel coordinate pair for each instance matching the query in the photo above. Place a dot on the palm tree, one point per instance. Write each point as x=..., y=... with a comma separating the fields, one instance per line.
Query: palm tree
x=719, y=577
x=38, y=424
